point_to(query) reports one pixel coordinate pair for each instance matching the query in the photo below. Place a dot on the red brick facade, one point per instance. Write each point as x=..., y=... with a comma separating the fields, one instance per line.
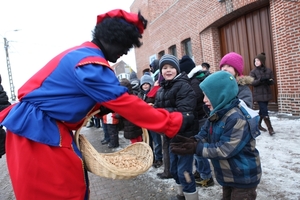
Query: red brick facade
x=170, y=22
x=285, y=17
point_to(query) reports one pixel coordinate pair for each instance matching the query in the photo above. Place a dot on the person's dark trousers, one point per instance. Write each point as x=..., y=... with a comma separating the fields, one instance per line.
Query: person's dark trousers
x=151, y=142
x=166, y=159
x=106, y=138
x=202, y=164
x=113, y=135
x=231, y=193
x=96, y=122
x=203, y=167
x=182, y=171
x=157, y=145
x=263, y=108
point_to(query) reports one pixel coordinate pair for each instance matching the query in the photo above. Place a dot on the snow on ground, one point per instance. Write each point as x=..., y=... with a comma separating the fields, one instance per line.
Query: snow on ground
x=280, y=158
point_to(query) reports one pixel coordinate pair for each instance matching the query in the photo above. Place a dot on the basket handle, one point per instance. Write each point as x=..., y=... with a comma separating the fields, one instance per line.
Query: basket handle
x=87, y=118
x=145, y=135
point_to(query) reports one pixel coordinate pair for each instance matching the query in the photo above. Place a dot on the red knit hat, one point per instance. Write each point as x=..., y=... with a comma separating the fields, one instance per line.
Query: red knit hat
x=131, y=18
x=235, y=60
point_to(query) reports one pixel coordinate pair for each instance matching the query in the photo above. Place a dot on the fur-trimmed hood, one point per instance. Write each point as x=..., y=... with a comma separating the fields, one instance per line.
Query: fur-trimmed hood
x=244, y=80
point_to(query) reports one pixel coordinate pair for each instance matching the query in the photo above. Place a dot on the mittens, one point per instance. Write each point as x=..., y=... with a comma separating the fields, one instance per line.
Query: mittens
x=183, y=145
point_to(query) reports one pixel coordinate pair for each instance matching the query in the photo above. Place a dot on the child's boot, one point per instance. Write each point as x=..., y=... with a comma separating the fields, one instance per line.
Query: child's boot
x=191, y=196
x=259, y=124
x=179, y=195
x=269, y=125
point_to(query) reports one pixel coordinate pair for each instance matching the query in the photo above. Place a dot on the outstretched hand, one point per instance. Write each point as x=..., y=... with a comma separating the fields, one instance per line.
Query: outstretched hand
x=183, y=145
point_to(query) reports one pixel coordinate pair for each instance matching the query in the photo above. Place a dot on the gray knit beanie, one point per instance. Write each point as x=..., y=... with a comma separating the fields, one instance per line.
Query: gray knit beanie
x=146, y=79
x=171, y=60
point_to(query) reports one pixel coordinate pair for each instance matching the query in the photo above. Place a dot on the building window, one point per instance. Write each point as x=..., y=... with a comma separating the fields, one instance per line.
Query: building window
x=173, y=50
x=127, y=69
x=160, y=54
x=124, y=75
x=187, y=48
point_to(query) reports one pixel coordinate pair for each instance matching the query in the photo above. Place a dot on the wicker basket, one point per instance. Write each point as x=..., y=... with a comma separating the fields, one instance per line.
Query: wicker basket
x=145, y=136
x=127, y=163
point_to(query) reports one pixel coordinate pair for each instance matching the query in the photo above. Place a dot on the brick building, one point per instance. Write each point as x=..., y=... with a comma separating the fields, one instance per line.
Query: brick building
x=208, y=29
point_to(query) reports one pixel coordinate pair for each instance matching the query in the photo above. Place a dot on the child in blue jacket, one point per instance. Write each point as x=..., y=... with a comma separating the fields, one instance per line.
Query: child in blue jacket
x=227, y=138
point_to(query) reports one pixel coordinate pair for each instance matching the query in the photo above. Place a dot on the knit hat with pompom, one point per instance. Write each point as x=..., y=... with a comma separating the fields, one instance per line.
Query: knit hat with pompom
x=262, y=58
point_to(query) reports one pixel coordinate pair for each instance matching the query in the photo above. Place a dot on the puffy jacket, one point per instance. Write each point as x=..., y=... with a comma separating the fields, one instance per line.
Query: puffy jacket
x=177, y=95
x=229, y=143
x=131, y=131
x=244, y=91
x=262, y=90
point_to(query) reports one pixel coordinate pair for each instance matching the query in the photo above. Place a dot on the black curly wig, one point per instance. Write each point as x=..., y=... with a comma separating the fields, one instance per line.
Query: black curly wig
x=118, y=31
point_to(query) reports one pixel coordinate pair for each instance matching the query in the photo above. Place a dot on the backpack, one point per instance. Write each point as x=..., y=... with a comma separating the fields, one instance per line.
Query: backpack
x=252, y=118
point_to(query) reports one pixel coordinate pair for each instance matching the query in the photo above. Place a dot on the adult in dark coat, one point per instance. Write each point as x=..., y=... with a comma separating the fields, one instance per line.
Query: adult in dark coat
x=262, y=94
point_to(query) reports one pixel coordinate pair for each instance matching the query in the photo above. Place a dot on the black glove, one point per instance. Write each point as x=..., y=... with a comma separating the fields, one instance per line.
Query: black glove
x=187, y=120
x=264, y=80
x=183, y=145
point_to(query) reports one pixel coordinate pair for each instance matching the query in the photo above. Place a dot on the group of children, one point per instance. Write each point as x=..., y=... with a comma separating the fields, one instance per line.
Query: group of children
x=221, y=129
x=41, y=125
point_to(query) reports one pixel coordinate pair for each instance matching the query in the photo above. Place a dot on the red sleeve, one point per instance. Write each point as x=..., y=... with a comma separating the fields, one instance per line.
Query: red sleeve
x=141, y=114
x=153, y=91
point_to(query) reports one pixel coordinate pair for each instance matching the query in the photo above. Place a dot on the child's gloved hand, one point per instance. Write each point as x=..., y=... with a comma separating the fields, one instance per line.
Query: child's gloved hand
x=187, y=121
x=183, y=145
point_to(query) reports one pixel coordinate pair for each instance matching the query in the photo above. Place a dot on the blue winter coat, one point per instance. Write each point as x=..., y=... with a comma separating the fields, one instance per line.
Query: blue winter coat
x=226, y=139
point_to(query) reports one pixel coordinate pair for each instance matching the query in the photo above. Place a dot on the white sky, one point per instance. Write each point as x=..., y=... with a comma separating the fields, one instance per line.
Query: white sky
x=45, y=29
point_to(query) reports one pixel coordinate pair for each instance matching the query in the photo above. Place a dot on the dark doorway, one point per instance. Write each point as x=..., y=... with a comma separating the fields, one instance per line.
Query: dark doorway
x=249, y=35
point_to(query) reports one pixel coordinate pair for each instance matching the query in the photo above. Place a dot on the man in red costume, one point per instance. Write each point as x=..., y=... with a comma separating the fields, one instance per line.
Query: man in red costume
x=42, y=158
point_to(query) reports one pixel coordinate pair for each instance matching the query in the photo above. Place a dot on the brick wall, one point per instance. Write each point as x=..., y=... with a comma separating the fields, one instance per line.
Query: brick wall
x=285, y=16
x=172, y=21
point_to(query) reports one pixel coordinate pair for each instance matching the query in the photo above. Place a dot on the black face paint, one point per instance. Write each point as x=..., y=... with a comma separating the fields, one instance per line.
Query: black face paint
x=112, y=52
x=115, y=52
